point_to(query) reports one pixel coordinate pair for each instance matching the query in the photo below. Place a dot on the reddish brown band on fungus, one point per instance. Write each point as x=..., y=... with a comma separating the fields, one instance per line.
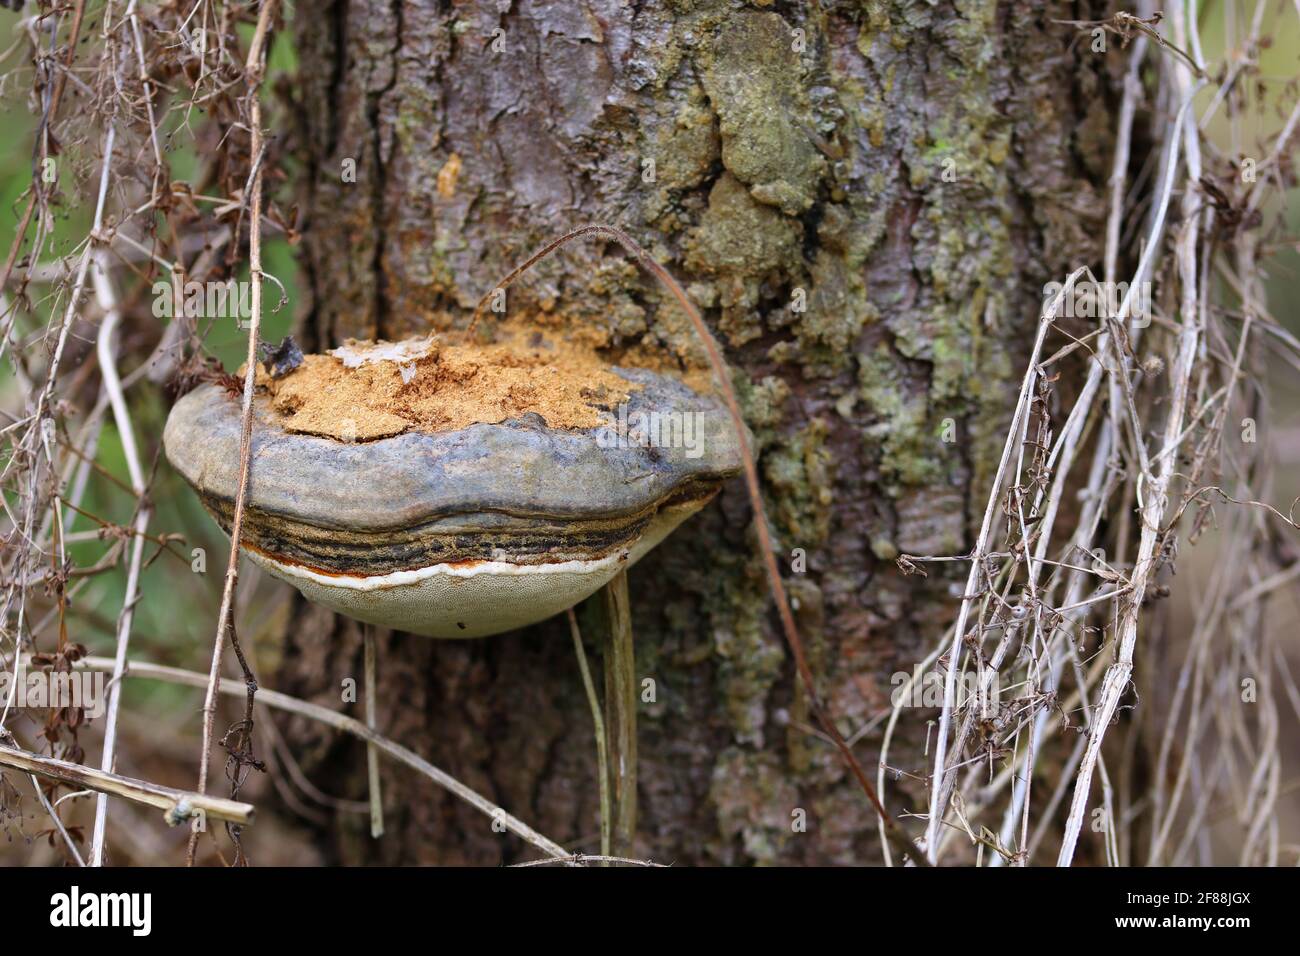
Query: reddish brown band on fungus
x=335, y=553
x=330, y=573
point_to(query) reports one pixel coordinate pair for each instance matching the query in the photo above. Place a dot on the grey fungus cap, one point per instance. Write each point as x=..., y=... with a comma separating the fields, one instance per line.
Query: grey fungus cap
x=426, y=511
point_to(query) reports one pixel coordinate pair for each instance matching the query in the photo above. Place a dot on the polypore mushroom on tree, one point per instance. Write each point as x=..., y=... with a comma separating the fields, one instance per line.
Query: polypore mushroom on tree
x=473, y=490
x=458, y=533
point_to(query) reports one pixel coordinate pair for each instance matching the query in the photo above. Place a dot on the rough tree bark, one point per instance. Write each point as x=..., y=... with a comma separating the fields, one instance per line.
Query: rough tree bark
x=912, y=173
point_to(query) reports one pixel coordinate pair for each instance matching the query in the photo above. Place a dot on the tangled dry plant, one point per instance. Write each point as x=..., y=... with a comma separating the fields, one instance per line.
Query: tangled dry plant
x=1057, y=616
x=136, y=91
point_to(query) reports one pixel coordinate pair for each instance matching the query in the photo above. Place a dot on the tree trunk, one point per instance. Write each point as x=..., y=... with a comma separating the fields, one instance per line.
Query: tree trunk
x=867, y=200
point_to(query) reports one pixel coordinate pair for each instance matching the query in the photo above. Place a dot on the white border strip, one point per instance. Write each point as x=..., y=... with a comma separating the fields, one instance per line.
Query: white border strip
x=394, y=579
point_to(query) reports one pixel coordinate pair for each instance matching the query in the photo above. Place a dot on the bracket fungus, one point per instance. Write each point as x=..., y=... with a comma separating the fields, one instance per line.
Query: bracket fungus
x=414, y=516
x=455, y=491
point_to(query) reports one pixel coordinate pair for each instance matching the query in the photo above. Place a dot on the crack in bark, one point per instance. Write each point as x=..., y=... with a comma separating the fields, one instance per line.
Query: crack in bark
x=380, y=189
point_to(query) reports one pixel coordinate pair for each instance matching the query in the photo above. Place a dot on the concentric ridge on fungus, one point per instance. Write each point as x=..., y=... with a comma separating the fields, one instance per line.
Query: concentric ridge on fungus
x=463, y=531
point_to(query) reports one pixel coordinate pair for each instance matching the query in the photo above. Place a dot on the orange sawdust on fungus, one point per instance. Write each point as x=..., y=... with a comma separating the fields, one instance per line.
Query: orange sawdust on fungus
x=364, y=391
